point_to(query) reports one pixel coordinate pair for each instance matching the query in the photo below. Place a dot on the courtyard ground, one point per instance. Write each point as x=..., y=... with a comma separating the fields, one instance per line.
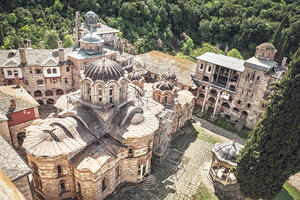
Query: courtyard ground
x=184, y=173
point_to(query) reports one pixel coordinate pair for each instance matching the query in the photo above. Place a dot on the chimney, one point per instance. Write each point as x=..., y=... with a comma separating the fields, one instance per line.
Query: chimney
x=217, y=48
x=77, y=25
x=226, y=50
x=61, y=55
x=59, y=44
x=28, y=43
x=42, y=44
x=283, y=62
x=17, y=81
x=22, y=55
x=25, y=43
x=13, y=105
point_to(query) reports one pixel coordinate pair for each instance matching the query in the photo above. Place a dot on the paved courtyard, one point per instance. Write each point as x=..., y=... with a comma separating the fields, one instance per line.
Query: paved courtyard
x=178, y=178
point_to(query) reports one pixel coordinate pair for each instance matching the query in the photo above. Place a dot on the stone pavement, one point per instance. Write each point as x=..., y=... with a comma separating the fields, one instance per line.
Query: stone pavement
x=177, y=178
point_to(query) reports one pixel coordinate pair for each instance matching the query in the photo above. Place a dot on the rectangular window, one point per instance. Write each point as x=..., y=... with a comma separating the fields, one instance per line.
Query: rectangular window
x=130, y=152
x=15, y=72
x=68, y=69
x=66, y=80
x=38, y=71
x=118, y=171
x=9, y=72
x=104, y=184
x=53, y=81
x=30, y=70
x=110, y=92
x=110, y=99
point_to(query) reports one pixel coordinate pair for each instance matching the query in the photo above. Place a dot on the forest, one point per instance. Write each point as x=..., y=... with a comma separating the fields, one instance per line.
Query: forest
x=167, y=25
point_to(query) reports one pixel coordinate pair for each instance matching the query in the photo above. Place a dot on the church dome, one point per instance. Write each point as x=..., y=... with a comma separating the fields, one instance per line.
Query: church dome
x=104, y=70
x=91, y=38
x=227, y=151
x=267, y=46
x=164, y=85
x=168, y=76
x=90, y=14
x=134, y=77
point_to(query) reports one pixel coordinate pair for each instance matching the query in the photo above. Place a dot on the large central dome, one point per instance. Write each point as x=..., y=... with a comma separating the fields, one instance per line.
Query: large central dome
x=104, y=70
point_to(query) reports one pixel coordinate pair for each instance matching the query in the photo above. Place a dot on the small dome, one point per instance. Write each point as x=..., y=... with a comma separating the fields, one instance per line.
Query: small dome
x=104, y=70
x=164, y=85
x=168, y=76
x=90, y=14
x=134, y=77
x=267, y=46
x=227, y=151
x=91, y=38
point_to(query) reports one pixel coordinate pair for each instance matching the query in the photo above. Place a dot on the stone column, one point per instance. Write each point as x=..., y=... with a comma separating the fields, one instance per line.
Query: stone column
x=205, y=97
x=216, y=104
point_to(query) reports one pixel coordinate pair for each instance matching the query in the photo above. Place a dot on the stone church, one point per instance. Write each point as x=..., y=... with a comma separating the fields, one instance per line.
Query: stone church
x=105, y=134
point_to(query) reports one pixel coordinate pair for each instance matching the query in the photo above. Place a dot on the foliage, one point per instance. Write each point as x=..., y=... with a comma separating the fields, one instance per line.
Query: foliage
x=188, y=46
x=271, y=154
x=206, y=47
x=203, y=193
x=51, y=39
x=288, y=192
x=235, y=53
x=238, y=24
x=68, y=41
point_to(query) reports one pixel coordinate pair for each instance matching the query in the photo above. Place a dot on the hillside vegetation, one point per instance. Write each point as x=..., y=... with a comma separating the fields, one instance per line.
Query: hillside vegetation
x=161, y=24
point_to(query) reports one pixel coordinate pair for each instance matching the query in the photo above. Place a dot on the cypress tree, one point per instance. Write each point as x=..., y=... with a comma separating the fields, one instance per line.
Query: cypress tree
x=278, y=37
x=272, y=151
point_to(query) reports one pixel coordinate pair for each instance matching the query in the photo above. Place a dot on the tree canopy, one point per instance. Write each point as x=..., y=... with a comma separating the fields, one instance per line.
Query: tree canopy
x=235, y=53
x=51, y=39
x=272, y=151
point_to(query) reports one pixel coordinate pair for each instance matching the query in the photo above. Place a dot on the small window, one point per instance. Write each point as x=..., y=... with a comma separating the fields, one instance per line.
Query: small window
x=110, y=91
x=201, y=66
x=38, y=71
x=203, y=87
x=40, y=82
x=66, y=80
x=201, y=95
x=262, y=55
x=104, y=183
x=9, y=72
x=62, y=185
x=130, y=152
x=68, y=69
x=258, y=78
x=227, y=117
x=15, y=72
x=209, y=68
x=100, y=99
x=59, y=171
x=49, y=71
x=118, y=172
x=26, y=82
x=248, y=105
x=236, y=109
x=30, y=70
x=239, y=102
x=54, y=70
x=110, y=99
x=53, y=81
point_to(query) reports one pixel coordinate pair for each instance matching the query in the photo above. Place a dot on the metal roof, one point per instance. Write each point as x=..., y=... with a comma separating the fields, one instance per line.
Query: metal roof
x=222, y=60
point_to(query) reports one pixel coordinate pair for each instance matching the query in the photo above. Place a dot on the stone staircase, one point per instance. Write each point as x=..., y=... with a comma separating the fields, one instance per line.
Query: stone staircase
x=149, y=183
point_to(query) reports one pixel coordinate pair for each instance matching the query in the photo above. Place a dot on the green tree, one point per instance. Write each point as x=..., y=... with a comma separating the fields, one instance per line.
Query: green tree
x=272, y=151
x=51, y=39
x=12, y=19
x=235, y=53
x=188, y=46
x=206, y=47
x=68, y=41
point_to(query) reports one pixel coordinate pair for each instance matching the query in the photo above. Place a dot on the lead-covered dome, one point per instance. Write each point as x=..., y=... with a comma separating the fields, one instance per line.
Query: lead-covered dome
x=104, y=70
x=91, y=38
x=168, y=76
x=134, y=77
x=227, y=151
x=164, y=85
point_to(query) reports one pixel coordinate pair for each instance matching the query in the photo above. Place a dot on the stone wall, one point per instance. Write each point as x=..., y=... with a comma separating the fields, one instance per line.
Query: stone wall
x=24, y=186
x=4, y=131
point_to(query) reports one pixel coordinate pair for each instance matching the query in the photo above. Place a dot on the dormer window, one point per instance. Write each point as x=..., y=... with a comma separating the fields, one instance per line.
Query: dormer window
x=9, y=72
x=49, y=71
x=54, y=70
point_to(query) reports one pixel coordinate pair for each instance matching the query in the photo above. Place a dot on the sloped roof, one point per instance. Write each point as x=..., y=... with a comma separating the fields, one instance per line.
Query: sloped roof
x=11, y=163
x=23, y=99
x=227, y=152
x=260, y=64
x=34, y=57
x=184, y=97
x=222, y=60
x=159, y=63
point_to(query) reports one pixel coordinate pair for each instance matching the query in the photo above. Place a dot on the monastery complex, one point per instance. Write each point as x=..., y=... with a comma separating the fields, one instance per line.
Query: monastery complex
x=116, y=113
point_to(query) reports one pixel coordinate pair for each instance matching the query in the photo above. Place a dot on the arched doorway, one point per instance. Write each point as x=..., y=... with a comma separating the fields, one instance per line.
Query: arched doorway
x=40, y=101
x=20, y=138
x=59, y=92
x=49, y=93
x=38, y=93
x=244, y=115
x=50, y=101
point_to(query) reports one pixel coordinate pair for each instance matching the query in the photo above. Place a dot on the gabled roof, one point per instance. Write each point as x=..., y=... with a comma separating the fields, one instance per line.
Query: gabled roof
x=159, y=63
x=11, y=63
x=222, y=60
x=23, y=99
x=11, y=163
x=50, y=62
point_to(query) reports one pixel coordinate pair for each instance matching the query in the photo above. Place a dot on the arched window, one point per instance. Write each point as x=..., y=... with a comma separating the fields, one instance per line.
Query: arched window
x=111, y=89
x=37, y=93
x=225, y=104
x=50, y=101
x=59, y=92
x=239, y=101
x=40, y=82
x=49, y=71
x=130, y=152
x=236, y=109
x=209, y=69
x=104, y=183
x=201, y=95
x=139, y=168
x=54, y=70
x=248, y=105
x=232, y=88
x=40, y=101
x=49, y=93
x=62, y=186
x=78, y=188
x=201, y=66
x=257, y=78
x=59, y=171
x=213, y=92
x=205, y=78
x=20, y=138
